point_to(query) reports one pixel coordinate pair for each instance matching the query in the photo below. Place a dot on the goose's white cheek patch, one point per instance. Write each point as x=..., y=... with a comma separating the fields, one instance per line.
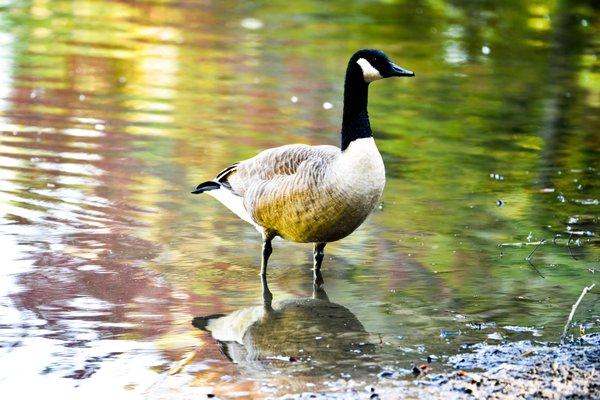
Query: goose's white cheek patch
x=370, y=73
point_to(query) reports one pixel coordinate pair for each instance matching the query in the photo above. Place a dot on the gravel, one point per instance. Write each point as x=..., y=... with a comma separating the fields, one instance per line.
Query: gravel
x=518, y=370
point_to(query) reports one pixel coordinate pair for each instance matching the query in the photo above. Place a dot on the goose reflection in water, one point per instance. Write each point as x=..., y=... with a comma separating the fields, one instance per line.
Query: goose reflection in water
x=313, y=331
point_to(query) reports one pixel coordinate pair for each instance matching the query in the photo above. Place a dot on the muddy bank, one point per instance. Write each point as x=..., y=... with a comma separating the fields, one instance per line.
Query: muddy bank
x=522, y=370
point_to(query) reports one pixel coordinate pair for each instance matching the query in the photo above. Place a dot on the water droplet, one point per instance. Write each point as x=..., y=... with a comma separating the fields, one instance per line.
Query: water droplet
x=327, y=105
x=251, y=23
x=584, y=23
x=294, y=99
x=587, y=202
x=500, y=203
x=447, y=333
x=485, y=50
x=81, y=97
x=35, y=93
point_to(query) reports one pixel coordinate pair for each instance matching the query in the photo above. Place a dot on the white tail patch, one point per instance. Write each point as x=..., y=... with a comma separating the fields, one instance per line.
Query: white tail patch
x=234, y=203
x=232, y=327
x=370, y=73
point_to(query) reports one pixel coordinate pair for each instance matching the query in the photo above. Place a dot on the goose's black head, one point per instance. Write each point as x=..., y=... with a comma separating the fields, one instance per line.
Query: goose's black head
x=373, y=65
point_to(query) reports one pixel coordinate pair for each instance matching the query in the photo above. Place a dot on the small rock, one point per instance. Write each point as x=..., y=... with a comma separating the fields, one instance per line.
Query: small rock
x=495, y=336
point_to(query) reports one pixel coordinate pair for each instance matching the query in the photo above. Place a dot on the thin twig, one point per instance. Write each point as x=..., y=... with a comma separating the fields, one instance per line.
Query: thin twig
x=519, y=244
x=569, y=247
x=541, y=242
x=536, y=269
x=573, y=309
x=528, y=258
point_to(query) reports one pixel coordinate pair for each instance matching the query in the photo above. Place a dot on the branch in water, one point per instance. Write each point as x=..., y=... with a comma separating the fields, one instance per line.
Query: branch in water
x=573, y=309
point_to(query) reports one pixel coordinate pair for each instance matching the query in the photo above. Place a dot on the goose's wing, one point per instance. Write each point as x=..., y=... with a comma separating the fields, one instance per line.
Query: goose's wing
x=277, y=165
x=285, y=179
x=281, y=183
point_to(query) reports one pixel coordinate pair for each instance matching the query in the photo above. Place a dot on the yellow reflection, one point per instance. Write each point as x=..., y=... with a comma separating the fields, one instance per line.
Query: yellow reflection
x=41, y=9
x=541, y=17
x=539, y=24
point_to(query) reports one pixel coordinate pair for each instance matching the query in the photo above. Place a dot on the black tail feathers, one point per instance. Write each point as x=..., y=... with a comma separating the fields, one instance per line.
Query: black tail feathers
x=206, y=186
x=202, y=322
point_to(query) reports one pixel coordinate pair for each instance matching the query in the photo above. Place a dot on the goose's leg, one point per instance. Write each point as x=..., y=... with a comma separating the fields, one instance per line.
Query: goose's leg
x=318, y=255
x=266, y=253
x=318, y=291
x=267, y=295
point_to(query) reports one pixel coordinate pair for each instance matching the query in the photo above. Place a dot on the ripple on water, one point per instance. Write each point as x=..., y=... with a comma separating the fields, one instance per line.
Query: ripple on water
x=111, y=111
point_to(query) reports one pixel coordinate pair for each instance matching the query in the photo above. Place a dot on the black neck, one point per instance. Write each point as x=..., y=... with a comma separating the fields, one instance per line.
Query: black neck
x=355, y=122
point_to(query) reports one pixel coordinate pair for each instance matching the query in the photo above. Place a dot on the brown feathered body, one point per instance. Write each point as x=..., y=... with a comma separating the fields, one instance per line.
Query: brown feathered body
x=305, y=193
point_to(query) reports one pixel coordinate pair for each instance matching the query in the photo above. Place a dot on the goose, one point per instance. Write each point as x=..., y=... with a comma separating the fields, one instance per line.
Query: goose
x=313, y=194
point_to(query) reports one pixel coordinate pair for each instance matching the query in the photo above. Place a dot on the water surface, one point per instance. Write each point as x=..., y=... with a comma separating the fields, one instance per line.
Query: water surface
x=111, y=111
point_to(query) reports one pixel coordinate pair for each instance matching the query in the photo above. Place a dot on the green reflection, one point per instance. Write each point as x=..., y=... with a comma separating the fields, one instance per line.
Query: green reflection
x=160, y=95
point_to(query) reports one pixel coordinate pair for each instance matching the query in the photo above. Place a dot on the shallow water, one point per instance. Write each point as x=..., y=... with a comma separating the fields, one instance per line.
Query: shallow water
x=110, y=112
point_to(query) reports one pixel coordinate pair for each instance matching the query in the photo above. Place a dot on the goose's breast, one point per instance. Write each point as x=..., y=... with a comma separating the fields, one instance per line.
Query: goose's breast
x=360, y=172
x=326, y=218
